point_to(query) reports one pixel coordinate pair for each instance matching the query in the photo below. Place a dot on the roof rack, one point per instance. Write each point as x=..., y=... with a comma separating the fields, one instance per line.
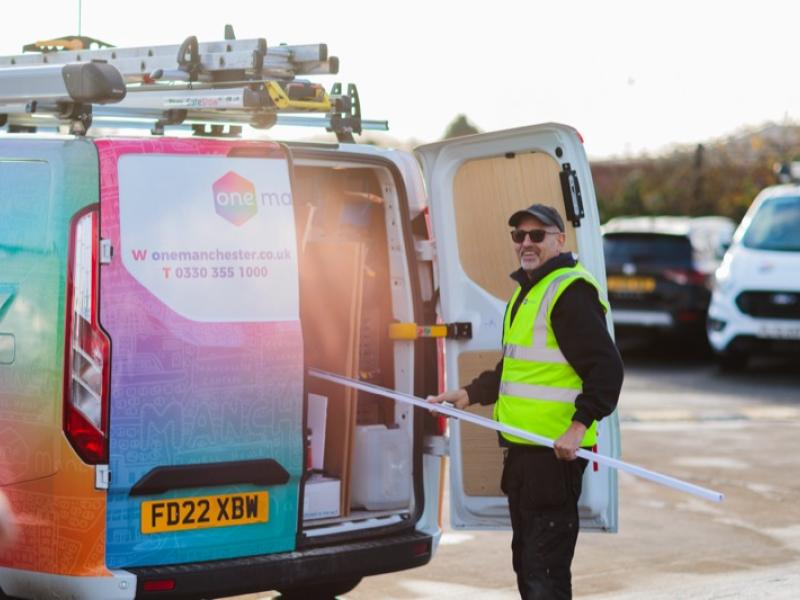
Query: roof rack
x=197, y=84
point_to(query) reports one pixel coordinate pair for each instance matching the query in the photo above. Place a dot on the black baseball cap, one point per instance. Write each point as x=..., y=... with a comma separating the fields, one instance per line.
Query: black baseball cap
x=546, y=214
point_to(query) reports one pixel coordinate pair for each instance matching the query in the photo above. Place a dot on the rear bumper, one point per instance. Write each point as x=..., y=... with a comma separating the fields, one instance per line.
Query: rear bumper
x=642, y=318
x=680, y=321
x=268, y=572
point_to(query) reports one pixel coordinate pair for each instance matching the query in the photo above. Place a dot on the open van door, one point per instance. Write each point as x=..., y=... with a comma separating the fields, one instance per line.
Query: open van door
x=474, y=184
x=200, y=302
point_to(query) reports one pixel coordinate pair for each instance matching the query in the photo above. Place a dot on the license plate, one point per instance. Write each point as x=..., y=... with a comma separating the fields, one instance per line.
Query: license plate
x=617, y=283
x=202, y=512
x=781, y=332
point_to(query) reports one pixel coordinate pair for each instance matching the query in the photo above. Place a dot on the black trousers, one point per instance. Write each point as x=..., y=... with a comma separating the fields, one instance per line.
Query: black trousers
x=543, y=494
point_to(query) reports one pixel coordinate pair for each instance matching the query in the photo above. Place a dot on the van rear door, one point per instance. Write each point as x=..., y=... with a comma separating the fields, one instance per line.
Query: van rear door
x=475, y=183
x=199, y=298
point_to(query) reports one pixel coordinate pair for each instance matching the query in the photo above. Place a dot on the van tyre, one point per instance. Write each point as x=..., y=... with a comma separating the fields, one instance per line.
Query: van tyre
x=319, y=591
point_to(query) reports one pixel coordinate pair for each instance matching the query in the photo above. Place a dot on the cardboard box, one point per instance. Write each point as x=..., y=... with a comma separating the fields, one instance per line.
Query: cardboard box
x=321, y=497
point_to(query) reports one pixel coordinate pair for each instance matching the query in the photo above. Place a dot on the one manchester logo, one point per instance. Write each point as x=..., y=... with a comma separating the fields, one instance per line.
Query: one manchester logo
x=235, y=198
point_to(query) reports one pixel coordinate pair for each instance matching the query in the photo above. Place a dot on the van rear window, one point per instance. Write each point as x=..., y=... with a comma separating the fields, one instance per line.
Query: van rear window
x=651, y=249
x=24, y=204
x=775, y=226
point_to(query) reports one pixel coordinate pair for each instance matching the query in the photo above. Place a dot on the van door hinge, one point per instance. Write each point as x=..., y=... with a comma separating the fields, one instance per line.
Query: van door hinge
x=425, y=250
x=571, y=190
x=436, y=445
x=412, y=331
x=102, y=477
x=106, y=252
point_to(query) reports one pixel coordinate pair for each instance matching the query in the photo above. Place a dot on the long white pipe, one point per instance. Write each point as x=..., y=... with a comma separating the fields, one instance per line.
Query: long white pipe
x=444, y=409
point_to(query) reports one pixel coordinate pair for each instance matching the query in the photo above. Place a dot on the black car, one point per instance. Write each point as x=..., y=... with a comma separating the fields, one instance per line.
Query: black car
x=659, y=270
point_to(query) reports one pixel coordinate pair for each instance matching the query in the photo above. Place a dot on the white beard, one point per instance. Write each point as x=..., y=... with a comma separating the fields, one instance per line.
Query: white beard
x=529, y=263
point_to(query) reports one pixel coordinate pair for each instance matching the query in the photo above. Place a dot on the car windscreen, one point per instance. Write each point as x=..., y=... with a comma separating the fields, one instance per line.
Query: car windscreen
x=647, y=249
x=775, y=226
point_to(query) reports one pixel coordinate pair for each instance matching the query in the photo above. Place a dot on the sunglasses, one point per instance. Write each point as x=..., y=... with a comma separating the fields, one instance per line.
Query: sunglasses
x=535, y=235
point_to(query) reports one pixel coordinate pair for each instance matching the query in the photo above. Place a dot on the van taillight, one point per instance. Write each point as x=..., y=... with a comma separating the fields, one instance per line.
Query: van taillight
x=86, y=356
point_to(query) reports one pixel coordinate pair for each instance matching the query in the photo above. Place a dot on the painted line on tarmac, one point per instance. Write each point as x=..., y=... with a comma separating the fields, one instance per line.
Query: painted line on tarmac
x=749, y=413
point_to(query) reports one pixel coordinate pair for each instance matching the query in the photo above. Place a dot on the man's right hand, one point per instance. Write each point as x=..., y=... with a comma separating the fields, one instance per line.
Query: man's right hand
x=457, y=398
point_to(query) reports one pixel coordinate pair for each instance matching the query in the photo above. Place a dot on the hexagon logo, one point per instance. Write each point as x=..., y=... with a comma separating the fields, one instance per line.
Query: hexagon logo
x=235, y=198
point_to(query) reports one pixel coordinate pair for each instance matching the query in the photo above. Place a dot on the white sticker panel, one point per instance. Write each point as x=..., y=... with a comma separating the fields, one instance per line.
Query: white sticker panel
x=212, y=237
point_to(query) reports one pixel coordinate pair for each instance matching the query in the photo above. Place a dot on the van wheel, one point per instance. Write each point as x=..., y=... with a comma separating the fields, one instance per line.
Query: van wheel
x=730, y=362
x=319, y=591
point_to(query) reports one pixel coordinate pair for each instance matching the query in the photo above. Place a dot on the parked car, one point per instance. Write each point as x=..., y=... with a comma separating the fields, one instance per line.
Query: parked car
x=659, y=270
x=755, y=307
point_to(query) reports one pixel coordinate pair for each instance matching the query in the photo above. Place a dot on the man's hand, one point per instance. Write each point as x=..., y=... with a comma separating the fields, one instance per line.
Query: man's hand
x=567, y=445
x=457, y=398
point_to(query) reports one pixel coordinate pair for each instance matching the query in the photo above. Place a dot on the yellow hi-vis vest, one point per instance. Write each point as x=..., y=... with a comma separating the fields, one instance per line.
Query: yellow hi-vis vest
x=538, y=386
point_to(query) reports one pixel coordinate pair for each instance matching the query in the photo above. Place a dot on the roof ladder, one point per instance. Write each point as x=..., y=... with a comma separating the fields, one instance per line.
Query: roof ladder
x=192, y=84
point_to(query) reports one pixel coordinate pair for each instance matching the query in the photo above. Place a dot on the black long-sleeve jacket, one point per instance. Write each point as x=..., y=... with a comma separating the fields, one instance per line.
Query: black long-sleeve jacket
x=579, y=325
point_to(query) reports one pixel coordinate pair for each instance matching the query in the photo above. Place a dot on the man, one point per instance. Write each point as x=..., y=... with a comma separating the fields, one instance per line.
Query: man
x=560, y=374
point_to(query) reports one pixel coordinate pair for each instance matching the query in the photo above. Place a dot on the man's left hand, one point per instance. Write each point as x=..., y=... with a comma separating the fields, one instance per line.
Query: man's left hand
x=567, y=445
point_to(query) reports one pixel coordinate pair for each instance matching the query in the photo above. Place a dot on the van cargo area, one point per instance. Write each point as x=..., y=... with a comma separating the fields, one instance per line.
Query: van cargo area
x=353, y=285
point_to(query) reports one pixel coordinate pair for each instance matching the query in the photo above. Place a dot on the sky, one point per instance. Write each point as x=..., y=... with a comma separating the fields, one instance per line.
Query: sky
x=632, y=76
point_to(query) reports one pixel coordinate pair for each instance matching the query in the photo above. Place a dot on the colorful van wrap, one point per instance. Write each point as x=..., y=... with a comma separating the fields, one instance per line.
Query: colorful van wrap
x=60, y=516
x=193, y=385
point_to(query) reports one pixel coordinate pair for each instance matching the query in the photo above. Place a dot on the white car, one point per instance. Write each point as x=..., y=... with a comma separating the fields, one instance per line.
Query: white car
x=755, y=306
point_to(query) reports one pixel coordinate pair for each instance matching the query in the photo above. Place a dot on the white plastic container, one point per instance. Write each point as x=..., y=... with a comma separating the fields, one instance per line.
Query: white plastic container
x=381, y=471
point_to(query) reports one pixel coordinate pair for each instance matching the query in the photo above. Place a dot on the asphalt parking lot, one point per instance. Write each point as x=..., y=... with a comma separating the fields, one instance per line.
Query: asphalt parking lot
x=735, y=433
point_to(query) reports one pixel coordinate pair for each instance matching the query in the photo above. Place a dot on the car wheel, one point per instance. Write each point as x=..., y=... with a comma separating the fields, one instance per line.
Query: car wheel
x=319, y=591
x=730, y=362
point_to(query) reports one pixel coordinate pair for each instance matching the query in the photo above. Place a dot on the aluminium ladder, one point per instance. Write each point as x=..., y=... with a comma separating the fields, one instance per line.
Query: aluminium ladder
x=228, y=82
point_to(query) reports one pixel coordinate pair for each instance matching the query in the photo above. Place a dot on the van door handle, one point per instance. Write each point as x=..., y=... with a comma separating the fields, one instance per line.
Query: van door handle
x=263, y=472
x=413, y=331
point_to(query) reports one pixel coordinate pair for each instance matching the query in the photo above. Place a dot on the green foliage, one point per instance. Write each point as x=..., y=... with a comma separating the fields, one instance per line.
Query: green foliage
x=721, y=179
x=460, y=126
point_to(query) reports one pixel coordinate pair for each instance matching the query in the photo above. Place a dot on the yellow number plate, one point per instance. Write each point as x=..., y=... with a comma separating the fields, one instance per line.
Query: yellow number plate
x=201, y=512
x=631, y=284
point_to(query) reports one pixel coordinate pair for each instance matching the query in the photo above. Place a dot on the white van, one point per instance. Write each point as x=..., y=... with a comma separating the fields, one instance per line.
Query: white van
x=755, y=306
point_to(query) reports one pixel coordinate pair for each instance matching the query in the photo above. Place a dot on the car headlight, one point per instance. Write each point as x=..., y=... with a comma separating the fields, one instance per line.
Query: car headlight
x=723, y=285
x=723, y=282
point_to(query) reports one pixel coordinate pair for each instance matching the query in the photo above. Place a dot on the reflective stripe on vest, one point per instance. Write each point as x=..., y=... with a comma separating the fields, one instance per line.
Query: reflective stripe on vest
x=551, y=355
x=539, y=352
x=539, y=386
x=538, y=392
